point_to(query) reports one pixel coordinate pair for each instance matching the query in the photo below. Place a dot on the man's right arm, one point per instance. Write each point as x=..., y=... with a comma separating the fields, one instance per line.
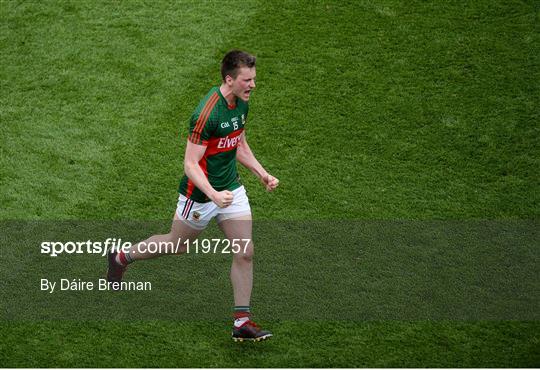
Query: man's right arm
x=194, y=172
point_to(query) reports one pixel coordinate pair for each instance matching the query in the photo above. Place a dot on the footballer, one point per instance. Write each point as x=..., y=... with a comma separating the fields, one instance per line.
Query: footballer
x=211, y=187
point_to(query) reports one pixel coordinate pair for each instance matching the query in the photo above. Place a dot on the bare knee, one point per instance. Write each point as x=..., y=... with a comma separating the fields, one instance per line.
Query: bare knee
x=173, y=244
x=245, y=254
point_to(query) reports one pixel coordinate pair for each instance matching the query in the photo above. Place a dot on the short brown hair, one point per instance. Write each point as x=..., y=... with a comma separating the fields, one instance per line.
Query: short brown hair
x=234, y=60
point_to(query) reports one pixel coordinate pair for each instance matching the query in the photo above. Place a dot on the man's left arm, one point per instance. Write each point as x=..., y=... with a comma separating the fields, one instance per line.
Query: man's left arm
x=245, y=156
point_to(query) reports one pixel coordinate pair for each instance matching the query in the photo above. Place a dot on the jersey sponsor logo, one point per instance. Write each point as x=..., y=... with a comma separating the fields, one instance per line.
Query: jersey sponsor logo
x=228, y=142
x=220, y=144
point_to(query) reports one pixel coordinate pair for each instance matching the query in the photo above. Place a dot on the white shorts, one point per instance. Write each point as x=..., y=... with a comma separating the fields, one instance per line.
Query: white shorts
x=198, y=215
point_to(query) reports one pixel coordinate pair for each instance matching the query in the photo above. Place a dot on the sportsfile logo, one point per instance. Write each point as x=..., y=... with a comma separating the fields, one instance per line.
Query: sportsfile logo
x=56, y=248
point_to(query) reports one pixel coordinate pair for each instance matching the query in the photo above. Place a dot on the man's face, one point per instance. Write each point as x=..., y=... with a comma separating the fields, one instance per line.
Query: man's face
x=244, y=83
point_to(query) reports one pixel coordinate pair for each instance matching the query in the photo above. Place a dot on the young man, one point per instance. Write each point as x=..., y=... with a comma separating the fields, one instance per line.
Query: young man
x=211, y=188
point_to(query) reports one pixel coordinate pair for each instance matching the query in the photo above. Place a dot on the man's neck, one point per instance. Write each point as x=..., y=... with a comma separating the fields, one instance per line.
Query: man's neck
x=227, y=94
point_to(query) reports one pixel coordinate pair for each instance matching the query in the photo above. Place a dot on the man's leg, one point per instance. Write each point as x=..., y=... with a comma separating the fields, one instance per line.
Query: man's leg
x=179, y=233
x=242, y=264
x=238, y=231
x=168, y=243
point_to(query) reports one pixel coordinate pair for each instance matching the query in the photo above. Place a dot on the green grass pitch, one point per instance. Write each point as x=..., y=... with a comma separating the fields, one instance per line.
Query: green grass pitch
x=365, y=110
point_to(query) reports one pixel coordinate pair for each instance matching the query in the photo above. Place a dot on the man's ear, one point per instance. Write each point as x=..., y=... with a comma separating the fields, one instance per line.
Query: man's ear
x=229, y=80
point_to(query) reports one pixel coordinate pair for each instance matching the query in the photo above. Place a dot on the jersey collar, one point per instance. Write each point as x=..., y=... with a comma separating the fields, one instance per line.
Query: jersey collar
x=229, y=106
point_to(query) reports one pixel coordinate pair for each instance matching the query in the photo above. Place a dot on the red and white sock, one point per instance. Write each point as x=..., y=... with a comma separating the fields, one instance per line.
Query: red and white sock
x=123, y=259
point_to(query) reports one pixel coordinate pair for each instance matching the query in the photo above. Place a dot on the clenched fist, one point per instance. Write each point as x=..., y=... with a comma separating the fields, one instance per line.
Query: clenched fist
x=270, y=182
x=223, y=198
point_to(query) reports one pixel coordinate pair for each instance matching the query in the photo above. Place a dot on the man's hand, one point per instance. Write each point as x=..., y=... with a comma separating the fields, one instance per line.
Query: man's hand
x=270, y=182
x=222, y=198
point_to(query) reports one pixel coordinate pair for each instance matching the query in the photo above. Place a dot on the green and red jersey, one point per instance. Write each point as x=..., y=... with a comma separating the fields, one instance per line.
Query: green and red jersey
x=218, y=126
